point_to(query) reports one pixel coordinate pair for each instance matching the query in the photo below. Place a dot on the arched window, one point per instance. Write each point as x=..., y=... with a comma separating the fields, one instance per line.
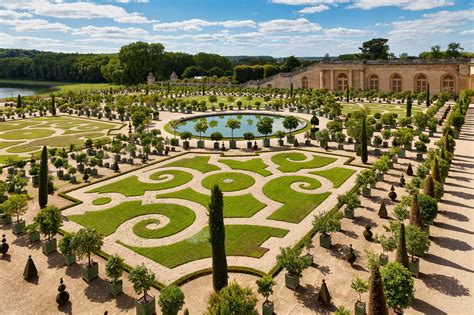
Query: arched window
x=396, y=83
x=304, y=82
x=448, y=83
x=421, y=83
x=374, y=82
x=342, y=82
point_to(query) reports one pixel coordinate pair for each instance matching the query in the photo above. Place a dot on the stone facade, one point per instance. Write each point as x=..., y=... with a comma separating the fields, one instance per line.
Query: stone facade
x=150, y=79
x=391, y=75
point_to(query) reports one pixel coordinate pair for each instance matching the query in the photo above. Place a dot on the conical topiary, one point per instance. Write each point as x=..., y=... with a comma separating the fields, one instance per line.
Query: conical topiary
x=63, y=296
x=30, y=269
x=410, y=170
x=351, y=257
x=402, y=255
x=186, y=311
x=402, y=181
x=377, y=303
x=415, y=215
x=383, y=210
x=447, y=144
x=442, y=153
x=324, y=297
x=4, y=247
x=392, y=194
x=429, y=187
x=435, y=170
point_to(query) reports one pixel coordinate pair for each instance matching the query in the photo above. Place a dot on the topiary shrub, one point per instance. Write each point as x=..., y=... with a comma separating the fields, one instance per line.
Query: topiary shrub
x=368, y=232
x=324, y=297
x=383, y=210
x=63, y=296
x=232, y=299
x=351, y=256
x=171, y=300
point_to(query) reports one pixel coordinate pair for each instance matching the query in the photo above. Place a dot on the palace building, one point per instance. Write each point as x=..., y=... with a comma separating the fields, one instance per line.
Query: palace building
x=380, y=75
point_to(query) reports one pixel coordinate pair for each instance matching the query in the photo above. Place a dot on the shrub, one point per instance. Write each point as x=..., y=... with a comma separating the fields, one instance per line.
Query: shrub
x=142, y=279
x=291, y=259
x=85, y=242
x=114, y=267
x=265, y=286
x=49, y=221
x=428, y=208
x=398, y=286
x=171, y=300
x=65, y=244
x=418, y=242
x=232, y=299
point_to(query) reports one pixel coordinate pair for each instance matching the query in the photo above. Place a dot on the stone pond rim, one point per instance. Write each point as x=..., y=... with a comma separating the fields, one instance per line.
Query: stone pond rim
x=304, y=125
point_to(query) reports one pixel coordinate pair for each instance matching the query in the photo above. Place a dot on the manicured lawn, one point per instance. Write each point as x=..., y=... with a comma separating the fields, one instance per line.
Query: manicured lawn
x=253, y=165
x=131, y=186
x=296, y=205
x=295, y=161
x=57, y=142
x=337, y=175
x=25, y=134
x=399, y=109
x=232, y=204
x=198, y=163
x=224, y=100
x=108, y=220
x=5, y=158
x=228, y=181
x=9, y=144
x=241, y=240
x=17, y=124
x=101, y=201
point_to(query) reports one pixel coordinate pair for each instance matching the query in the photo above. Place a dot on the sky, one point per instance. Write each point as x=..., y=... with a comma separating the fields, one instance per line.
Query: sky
x=276, y=28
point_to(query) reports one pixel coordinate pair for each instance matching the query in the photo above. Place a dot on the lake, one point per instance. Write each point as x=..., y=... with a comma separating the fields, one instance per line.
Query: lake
x=12, y=90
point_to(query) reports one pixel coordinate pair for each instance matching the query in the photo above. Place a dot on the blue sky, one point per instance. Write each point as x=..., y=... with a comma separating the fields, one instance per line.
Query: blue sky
x=239, y=27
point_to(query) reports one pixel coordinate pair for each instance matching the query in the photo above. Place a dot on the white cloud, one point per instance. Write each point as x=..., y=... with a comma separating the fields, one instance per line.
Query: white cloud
x=341, y=31
x=467, y=32
x=198, y=24
x=110, y=32
x=314, y=9
x=412, y=5
x=10, y=14
x=35, y=25
x=308, y=2
x=74, y=10
x=300, y=25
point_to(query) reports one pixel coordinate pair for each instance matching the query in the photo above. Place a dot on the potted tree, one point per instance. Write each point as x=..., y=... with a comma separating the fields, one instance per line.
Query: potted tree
x=200, y=127
x=418, y=243
x=216, y=137
x=280, y=135
x=65, y=246
x=233, y=124
x=322, y=137
x=142, y=279
x=377, y=142
x=381, y=166
x=290, y=123
x=420, y=149
x=185, y=136
x=265, y=127
x=249, y=137
x=308, y=244
x=34, y=173
x=85, y=242
x=114, y=270
x=32, y=232
x=351, y=201
x=171, y=300
x=265, y=288
x=388, y=245
x=291, y=260
x=16, y=206
x=360, y=286
x=366, y=180
x=49, y=221
x=398, y=286
x=386, y=135
x=340, y=138
x=325, y=223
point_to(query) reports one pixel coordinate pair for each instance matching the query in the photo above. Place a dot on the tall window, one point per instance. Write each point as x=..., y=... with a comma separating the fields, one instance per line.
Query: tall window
x=374, y=83
x=342, y=82
x=420, y=83
x=448, y=83
x=304, y=82
x=396, y=83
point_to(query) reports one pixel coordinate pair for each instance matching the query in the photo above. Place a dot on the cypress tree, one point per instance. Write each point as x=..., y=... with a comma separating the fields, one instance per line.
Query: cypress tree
x=203, y=87
x=291, y=90
x=347, y=95
x=43, y=179
x=428, y=187
x=18, y=102
x=217, y=239
x=377, y=303
x=409, y=105
x=428, y=95
x=415, y=215
x=435, y=170
x=53, y=106
x=363, y=144
x=402, y=255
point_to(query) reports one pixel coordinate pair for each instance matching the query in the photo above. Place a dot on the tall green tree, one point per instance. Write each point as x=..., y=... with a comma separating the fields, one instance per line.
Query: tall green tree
x=375, y=48
x=18, y=102
x=138, y=59
x=377, y=304
x=428, y=101
x=217, y=239
x=53, y=106
x=409, y=105
x=435, y=170
x=402, y=255
x=454, y=50
x=363, y=143
x=43, y=179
